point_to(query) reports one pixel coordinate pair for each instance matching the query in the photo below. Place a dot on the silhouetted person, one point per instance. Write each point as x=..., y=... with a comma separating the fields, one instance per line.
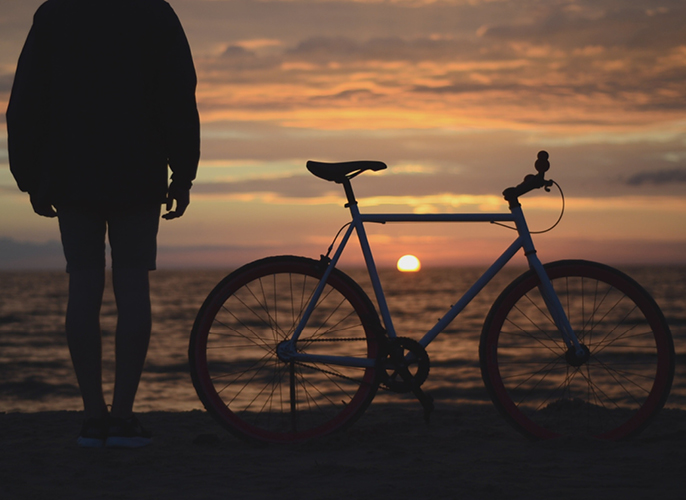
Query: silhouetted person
x=103, y=102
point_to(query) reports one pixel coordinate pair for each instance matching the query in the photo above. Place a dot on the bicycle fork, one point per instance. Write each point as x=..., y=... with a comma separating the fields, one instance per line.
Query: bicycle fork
x=552, y=302
x=577, y=353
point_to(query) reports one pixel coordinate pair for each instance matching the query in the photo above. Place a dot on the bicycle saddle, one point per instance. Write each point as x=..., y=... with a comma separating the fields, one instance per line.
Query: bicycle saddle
x=337, y=172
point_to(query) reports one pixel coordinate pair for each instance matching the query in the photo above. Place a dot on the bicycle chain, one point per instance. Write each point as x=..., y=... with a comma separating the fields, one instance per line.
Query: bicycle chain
x=383, y=384
x=335, y=340
x=328, y=372
x=410, y=383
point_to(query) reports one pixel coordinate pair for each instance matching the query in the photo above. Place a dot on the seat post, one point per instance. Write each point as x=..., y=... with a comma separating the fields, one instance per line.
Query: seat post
x=348, y=192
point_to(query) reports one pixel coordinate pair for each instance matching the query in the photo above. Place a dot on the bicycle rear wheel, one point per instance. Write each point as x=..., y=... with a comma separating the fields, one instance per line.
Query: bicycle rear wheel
x=235, y=367
x=613, y=395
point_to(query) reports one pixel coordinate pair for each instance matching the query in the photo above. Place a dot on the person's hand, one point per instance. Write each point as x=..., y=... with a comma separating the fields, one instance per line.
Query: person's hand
x=42, y=207
x=182, y=198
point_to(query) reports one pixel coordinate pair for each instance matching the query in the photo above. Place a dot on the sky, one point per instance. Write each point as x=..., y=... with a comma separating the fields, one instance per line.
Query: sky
x=456, y=96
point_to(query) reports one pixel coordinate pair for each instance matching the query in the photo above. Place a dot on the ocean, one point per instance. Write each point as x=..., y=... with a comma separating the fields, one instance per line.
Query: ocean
x=36, y=373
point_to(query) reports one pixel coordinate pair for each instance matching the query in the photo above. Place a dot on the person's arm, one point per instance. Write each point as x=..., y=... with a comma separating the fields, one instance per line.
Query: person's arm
x=182, y=122
x=182, y=197
x=27, y=115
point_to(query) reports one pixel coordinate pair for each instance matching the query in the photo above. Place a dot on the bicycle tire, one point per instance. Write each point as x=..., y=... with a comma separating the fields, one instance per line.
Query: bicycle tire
x=241, y=380
x=616, y=393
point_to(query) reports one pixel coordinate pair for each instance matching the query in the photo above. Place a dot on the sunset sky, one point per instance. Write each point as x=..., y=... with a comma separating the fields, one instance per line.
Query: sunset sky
x=456, y=96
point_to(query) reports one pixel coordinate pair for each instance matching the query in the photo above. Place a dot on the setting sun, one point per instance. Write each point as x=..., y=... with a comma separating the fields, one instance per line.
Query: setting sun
x=408, y=264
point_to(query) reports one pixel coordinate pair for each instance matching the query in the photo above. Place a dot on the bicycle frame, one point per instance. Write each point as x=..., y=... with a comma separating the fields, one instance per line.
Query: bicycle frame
x=522, y=242
x=286, y=349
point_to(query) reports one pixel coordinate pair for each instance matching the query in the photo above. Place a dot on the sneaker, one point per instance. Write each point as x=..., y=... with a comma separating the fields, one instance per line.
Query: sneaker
x=127, y=433
x=93, y=433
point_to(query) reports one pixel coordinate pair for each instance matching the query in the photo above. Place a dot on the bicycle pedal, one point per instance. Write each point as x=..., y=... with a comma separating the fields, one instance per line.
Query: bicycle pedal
x=426, y=401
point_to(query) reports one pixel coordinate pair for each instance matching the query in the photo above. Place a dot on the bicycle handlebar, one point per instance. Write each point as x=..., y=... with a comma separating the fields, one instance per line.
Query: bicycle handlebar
x=531, y=181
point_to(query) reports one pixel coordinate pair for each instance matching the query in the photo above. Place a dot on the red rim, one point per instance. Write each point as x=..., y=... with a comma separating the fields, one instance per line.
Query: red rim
x=664, y=359
x=202, y=377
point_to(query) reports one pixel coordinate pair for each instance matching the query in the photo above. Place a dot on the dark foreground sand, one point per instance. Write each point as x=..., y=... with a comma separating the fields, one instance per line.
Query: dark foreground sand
x=468, y=452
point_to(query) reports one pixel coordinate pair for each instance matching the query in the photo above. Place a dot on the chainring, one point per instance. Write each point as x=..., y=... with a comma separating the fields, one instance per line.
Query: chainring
x=418, y=365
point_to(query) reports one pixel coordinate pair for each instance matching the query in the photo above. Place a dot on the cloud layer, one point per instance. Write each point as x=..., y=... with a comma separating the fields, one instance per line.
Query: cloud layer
x=561, y=65
x=457, y=96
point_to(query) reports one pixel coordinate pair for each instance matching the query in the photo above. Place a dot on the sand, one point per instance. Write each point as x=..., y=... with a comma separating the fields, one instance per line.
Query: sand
x=467, y=452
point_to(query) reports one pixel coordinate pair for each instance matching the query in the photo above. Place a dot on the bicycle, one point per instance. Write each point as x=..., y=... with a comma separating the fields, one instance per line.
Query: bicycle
x=287, y=349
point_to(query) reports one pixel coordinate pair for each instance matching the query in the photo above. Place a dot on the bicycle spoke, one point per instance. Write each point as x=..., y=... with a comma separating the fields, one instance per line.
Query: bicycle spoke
x=542, y=389
x=272, y=399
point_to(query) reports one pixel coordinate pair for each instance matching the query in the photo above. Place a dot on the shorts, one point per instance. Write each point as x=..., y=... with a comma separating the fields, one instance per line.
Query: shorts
x=132, y=234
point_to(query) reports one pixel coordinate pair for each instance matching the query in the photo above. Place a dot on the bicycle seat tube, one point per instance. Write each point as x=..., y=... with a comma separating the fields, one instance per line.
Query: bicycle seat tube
x=368, y=257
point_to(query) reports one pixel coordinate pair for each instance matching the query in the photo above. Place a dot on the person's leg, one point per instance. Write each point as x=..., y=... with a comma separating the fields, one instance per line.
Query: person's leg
x=133, y=238
x=132, y=293
x=83, y=337
x=83, y=239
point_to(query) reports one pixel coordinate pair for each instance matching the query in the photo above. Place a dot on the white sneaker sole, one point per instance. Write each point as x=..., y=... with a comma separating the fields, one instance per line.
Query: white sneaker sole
x=127, y=442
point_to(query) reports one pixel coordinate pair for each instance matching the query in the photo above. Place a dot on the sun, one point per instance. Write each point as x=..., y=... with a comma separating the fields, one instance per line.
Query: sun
x=408, y=264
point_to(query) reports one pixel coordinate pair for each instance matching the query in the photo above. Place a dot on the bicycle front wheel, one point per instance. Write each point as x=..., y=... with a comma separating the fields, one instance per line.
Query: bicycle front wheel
x=614, y=394
x=233, y=351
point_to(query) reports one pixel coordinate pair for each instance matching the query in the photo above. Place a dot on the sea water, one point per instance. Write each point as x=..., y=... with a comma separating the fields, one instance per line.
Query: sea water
x=36, y=372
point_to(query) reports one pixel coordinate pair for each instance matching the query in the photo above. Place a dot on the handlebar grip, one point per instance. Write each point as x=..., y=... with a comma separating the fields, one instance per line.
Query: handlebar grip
x=531, y=181
x=542, y=164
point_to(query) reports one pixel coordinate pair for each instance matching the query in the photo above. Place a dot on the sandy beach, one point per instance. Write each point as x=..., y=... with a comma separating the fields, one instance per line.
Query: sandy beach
x=467, y=452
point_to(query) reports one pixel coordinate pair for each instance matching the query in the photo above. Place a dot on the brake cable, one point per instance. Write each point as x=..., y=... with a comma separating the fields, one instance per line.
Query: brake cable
x=562, y=212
